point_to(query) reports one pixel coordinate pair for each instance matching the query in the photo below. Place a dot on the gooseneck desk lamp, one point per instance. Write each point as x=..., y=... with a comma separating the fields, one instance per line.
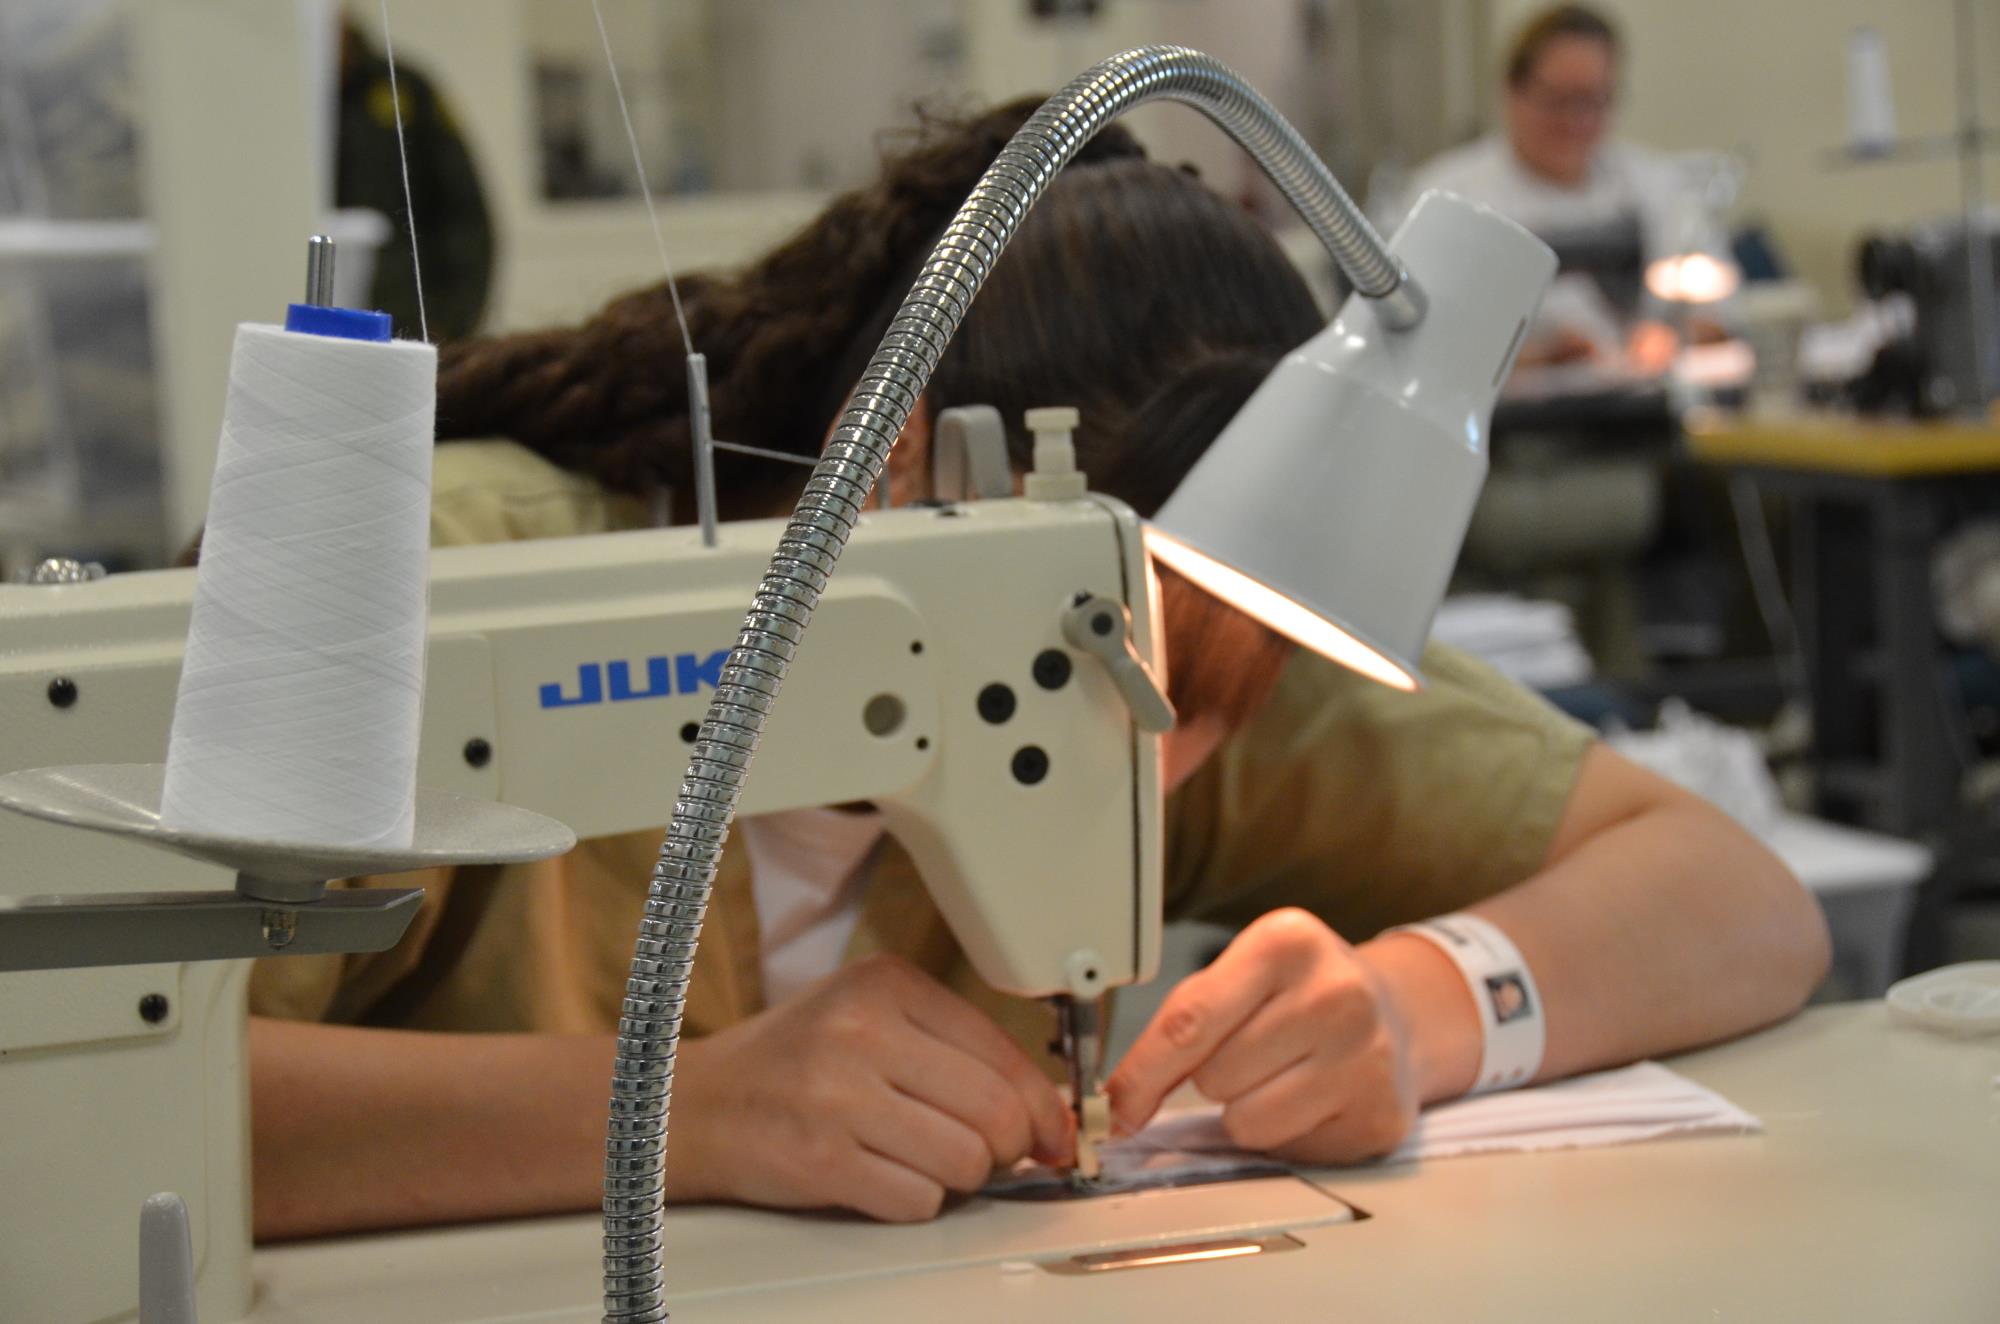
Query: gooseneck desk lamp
x=1331, y=508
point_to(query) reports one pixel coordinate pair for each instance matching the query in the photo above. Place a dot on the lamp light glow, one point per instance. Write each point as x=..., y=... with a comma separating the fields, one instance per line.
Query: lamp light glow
x=1274, y=610
x=1692, y=278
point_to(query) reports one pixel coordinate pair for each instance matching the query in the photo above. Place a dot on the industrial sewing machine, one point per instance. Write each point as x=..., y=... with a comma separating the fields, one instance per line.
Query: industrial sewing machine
x=1949, y=271
x=566, y=676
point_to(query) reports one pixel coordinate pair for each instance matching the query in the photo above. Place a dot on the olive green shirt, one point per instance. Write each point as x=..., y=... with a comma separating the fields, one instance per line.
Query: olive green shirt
x=1364, y=805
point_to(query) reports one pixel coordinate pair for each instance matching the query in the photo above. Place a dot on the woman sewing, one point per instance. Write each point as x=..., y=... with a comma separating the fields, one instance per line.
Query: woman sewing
x=838, y=1050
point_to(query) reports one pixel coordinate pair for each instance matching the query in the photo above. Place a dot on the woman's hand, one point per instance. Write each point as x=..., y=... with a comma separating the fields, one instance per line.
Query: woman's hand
x=877, y=1090
x=1652, y=346
x=1295, y=1034
x=1559, y=345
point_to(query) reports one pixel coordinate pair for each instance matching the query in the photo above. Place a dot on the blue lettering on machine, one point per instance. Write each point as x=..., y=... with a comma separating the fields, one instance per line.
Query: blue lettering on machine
x=656, y=678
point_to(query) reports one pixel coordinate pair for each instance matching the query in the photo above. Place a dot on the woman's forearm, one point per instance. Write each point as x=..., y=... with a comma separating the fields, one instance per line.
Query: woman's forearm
x=877, y=1089
x=1658, y=925
x=1673, y=929
x=357, y=1128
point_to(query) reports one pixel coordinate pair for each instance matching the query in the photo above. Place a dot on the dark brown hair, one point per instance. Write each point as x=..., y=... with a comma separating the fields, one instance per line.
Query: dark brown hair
x=1131, y=291
x=1156, y=307
x=609, y=398
x=1552, y=25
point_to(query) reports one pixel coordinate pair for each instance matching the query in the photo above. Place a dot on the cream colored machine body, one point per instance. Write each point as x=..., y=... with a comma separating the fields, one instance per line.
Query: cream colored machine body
x=564, y=676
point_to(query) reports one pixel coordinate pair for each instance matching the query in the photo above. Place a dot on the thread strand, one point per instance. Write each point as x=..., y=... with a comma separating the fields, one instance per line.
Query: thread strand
x=645, y=189
x=403, y=152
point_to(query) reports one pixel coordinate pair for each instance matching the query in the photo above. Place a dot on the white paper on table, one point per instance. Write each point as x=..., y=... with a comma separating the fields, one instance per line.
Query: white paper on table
x=1641, y=1102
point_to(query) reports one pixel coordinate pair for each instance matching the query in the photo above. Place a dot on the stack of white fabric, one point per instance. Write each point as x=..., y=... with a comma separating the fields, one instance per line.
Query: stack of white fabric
x=1722, y=764
x=1530, y=642
x=1645, y=1101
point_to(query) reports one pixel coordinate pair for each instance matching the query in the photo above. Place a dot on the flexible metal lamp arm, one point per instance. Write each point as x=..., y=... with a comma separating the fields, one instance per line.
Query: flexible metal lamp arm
x=852, y=463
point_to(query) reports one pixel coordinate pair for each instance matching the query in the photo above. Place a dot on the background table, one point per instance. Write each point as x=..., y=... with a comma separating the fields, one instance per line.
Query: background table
x=1871, y=499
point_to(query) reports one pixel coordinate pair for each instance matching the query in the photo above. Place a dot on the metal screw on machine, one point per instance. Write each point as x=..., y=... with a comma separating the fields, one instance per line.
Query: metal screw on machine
x=62, y=691
x=280, y=927
x=154, y=1008
x=478, y=752
x=65, y=570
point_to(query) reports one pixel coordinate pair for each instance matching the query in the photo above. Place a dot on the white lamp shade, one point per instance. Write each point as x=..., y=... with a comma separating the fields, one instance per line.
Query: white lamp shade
x=1333, y=505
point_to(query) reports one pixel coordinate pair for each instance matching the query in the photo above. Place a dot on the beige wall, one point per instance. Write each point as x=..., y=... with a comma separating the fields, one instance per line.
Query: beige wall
x=1766, y=76
x=560, y=262
x=802, y=81
x=230, y=250
x=1769, y=76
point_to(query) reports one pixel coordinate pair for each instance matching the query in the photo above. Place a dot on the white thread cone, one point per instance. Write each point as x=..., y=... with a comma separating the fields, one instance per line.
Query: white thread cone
x=1871, y=108
x=301, y=694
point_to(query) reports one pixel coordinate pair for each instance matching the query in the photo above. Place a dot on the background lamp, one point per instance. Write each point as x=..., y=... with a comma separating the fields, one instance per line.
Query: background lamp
x=1696, y=277
x=1333, y=505
x=1698, y=266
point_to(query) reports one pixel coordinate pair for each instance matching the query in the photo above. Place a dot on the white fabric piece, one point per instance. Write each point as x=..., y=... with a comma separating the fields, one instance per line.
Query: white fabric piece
x=1529, y=641
x=1642, y=1102
x=1722, y=764
x=805, y=877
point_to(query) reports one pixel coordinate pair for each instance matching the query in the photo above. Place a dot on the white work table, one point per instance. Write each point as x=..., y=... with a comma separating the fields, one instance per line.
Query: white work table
x=1873, y=1195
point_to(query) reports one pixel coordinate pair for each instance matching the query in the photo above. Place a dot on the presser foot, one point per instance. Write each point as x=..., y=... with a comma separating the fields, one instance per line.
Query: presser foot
x=1093, y=1128
x=1080, y=1043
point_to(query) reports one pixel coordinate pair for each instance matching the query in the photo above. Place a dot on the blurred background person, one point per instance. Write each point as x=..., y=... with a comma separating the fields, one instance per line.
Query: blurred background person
x=1607, y=207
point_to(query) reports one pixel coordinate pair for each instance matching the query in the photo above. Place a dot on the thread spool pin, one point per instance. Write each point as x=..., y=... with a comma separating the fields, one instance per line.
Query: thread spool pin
x=319, y=271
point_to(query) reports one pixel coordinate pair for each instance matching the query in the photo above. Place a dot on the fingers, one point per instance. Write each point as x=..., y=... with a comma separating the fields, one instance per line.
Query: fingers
x=1357, y=1135
x=935, y=1146
x=1212, y=1006
x=888, y=1191
x=878, y=1090
x=1281, y=1110
x=1197, y=1017
x=1330, y=1012
x=1274, y=1038
x=972, y=1093
x=960, y=1026
x=1328, y=1108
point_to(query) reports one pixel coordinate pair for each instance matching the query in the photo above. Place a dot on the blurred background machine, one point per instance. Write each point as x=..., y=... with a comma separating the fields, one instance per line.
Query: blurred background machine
x=1947, y=274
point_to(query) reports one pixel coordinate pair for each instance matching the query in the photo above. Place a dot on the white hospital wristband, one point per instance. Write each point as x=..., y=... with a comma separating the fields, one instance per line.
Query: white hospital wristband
x=1510, y=1007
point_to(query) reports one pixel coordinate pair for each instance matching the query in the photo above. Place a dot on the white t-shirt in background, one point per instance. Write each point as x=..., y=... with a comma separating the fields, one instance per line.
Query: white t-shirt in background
x=806, y=879
x=1624, y=181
